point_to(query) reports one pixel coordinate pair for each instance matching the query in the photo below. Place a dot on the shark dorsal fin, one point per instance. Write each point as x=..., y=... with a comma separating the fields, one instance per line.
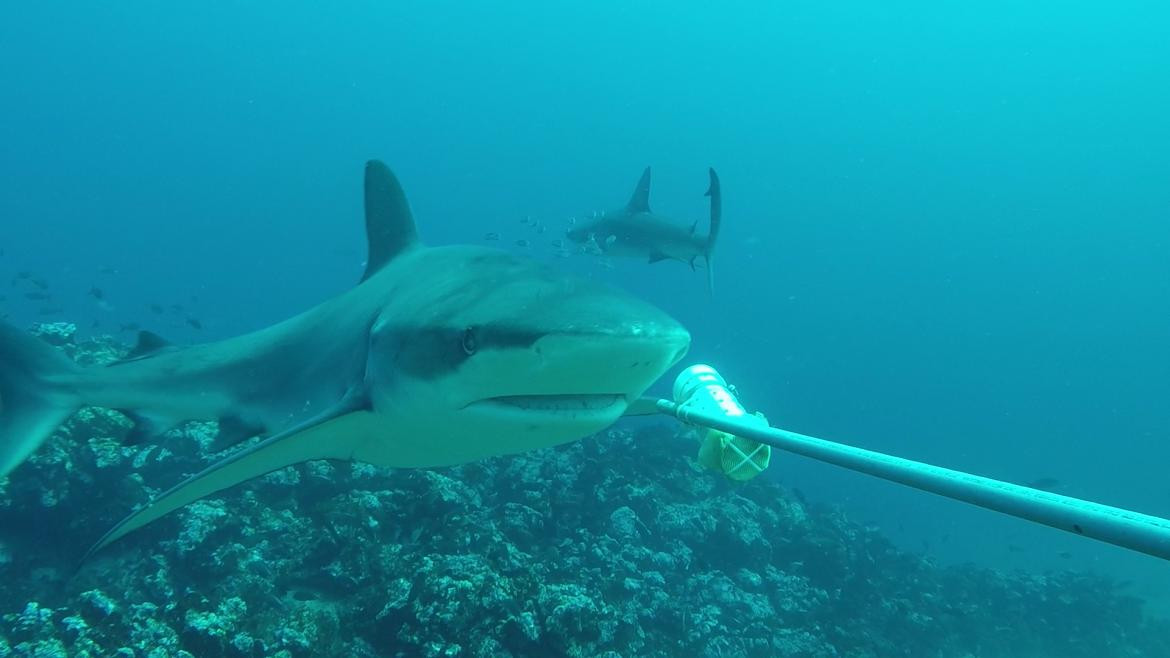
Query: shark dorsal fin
x=640, y=201
x=148, y=343
x=390, y=226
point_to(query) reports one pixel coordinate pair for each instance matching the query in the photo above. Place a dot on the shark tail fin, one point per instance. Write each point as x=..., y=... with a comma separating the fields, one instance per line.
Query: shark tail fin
x=715, y=192
x=710, y=274
x=34, y=395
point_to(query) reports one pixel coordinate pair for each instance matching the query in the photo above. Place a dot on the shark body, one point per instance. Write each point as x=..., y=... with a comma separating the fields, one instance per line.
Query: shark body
x=636, y=231
x=440, y=356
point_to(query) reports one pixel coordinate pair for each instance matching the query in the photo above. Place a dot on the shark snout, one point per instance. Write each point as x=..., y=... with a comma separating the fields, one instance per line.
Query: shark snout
x=624, y=363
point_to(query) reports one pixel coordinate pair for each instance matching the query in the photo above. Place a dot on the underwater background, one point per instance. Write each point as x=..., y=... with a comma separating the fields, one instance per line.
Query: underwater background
x=945, y=230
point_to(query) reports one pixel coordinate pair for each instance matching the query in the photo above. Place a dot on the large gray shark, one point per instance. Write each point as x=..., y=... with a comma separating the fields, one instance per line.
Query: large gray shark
x=441, y=355
x=637, y=231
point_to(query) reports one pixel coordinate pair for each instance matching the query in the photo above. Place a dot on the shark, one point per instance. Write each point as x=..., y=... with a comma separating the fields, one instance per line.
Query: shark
x=636, y=231
x=440, y=355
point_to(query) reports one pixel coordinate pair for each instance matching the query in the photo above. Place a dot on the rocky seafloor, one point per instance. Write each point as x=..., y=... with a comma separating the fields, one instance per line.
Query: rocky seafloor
x=617, y=545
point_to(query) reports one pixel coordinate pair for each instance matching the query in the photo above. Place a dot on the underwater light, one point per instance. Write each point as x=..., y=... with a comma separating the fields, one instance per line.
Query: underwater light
x=738, y=444
x=700, y=387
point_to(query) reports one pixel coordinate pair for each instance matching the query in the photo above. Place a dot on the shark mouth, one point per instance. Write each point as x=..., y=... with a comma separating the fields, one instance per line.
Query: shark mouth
x=564, y=403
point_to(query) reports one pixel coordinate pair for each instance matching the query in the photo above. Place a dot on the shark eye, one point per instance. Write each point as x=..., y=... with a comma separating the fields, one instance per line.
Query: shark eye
x=469, y=342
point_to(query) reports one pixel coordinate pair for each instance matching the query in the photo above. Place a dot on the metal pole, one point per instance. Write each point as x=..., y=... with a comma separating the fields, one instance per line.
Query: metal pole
x=1132, y=530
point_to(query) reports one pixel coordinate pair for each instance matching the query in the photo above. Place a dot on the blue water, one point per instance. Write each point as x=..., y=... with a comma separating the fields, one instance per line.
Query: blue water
x=945, y=224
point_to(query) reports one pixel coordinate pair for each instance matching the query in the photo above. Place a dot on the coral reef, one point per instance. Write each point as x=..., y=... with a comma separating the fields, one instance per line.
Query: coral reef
x=618, y=545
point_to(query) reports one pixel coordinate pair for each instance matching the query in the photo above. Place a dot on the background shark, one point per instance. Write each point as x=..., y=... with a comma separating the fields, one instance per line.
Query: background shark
x=439, y=356
x=637, y=231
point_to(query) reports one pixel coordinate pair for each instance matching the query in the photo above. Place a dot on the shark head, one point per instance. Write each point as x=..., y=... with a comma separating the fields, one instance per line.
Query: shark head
x=477, y=352
x=499, y=354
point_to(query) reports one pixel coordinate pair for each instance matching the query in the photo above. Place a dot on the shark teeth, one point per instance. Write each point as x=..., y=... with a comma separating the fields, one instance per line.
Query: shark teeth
x=558, y=403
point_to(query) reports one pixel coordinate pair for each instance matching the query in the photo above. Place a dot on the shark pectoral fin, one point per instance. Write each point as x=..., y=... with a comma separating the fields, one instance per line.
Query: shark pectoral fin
x=335, y=438
x=640, y=200
x=656, y=256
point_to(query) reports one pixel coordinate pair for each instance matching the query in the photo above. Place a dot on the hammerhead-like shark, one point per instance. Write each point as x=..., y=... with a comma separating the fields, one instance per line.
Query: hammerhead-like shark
x=439, y=356
x=637, y=231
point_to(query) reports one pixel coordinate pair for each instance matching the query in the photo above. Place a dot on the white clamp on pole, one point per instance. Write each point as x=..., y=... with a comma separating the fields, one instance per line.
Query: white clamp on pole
x=700, y=388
